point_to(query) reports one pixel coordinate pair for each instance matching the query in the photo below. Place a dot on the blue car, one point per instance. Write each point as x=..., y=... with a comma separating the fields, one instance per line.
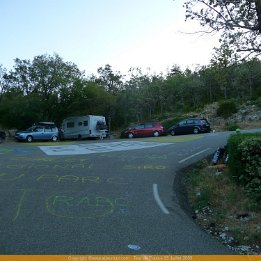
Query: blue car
x=40, y=132
x=192, y=125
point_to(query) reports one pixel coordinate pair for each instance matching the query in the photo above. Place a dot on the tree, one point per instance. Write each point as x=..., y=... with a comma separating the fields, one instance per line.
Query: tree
x=222, y=61
x=238, y=20
x=207, y=79
x=2, y=73
x=112, y=81
x=176, y=85
x=45, y=77
x=247, y=79
x=87, y=97
x=19, y=111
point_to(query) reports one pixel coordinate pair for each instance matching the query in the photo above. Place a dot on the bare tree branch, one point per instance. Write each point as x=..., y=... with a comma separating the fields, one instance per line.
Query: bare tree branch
x=239, y=20
x=258, y=11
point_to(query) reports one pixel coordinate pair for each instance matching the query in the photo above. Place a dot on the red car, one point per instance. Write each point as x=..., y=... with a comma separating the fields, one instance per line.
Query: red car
x=144, y=129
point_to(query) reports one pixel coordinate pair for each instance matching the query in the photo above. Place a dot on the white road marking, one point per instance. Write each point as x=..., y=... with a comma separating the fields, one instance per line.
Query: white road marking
x=202, y=151
x=158, y=200
x=81, y=149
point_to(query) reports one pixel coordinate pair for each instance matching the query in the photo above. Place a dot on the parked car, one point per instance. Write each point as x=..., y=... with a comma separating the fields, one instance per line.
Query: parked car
x=2, y=136
x=42, y=131
x=193, y=125
x=144, y=129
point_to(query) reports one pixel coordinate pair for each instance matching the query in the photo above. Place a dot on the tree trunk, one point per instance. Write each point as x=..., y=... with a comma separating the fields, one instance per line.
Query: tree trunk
x=258, y=12
x=224, y=88
x=250, y=83
x=210, y=92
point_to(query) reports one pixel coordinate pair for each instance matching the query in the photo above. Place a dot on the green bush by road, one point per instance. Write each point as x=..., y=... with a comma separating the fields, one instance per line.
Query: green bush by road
x=245, y=163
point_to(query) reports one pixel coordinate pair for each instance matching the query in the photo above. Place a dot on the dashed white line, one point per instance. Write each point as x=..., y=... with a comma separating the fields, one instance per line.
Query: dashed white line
x=202, y=151
x=158, y=200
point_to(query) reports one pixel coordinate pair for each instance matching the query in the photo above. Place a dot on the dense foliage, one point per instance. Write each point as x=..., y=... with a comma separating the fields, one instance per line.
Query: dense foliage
x=50, y=89
x=245, y=163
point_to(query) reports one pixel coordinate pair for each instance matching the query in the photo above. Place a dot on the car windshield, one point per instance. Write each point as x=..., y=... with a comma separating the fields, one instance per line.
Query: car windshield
x=131, y=127
x=139, y=127
x=182, y=123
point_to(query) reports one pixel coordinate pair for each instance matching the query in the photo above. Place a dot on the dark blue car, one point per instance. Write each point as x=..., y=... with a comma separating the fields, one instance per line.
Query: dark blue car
x=189, y=126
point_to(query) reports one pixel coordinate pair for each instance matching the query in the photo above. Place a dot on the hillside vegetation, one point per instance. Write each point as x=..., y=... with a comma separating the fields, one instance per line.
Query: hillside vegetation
x=50, y=89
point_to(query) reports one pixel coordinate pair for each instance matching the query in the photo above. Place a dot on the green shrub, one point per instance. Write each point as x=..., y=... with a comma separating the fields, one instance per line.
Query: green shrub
x=234, y=160
x=245, y=162
x=251, y=160
x=226, y=109
x=233, y=127
x=257, y=102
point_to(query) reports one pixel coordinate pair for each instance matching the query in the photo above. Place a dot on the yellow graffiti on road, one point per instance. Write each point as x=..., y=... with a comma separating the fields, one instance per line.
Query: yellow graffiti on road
x=72, y=205
x=144, y=167
x=81, y=179
x=65, y=178
x=10, y=177
x=43, y=165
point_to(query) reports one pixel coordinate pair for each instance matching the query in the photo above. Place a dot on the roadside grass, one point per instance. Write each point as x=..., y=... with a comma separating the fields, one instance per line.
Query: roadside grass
x=181, y=138
x=245, y=125
x=221, y=206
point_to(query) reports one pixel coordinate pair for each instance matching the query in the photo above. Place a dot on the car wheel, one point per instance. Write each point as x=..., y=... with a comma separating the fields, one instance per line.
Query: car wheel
x=54, y=138
x=196, y=131
x=172, y=133
x=130, y=135
x=156, y=134
x=29, y=138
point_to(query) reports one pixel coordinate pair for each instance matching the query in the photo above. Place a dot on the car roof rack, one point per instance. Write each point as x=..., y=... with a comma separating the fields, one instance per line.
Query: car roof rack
x=46, y=123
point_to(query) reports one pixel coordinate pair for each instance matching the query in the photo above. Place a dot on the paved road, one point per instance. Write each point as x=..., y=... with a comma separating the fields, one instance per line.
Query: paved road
x=102, y=197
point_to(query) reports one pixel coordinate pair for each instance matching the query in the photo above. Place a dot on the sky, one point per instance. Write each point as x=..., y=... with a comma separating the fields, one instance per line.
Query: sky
x=92, y=33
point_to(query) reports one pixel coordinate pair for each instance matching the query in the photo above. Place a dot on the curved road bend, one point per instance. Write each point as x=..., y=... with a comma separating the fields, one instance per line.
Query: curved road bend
x=101, y=198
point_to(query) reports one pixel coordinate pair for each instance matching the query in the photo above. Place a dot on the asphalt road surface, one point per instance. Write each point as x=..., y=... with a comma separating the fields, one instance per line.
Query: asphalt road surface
x=100, y=197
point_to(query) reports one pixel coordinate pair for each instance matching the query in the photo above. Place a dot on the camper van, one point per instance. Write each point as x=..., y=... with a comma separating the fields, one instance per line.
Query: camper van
x=80, y=127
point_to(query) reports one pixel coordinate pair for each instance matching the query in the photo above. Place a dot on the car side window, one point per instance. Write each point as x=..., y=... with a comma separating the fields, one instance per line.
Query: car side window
x=190, y=122
x=48, y=129
x=149, y=125
x=139, y=127
x=38, y=129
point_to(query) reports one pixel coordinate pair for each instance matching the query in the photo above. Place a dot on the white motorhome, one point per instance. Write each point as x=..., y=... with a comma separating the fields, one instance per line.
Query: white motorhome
x=80, y=127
